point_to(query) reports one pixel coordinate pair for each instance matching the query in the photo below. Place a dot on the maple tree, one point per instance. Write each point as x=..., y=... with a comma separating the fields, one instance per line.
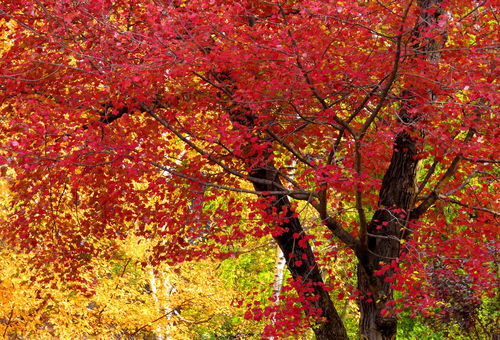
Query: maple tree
x=135, y=117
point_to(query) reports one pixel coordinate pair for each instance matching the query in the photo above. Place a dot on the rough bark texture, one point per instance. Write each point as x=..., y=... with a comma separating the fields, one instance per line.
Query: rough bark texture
x=396, y=202
x=384, y=232
x=333, y=328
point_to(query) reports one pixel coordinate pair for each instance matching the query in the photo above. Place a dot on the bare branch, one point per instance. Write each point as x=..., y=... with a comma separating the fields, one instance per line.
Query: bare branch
x=430, y=172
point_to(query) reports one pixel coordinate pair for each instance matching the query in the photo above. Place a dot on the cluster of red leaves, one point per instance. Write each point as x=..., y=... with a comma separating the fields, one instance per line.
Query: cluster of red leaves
x=293, y=314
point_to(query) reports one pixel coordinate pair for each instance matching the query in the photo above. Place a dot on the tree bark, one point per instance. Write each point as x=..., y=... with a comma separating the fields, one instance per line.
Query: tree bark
x=384, y=232
x=333, y=327
x=396, y=201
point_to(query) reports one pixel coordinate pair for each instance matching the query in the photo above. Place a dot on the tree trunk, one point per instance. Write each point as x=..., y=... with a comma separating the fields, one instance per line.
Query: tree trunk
x=298, y=253
x=397, y=194
x=307, y=269
x=384, y=233
x=279, y=273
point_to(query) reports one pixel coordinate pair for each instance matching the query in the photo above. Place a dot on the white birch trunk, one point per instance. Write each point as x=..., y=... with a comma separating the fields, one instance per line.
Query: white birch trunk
x=154, y=293
x=279, y=273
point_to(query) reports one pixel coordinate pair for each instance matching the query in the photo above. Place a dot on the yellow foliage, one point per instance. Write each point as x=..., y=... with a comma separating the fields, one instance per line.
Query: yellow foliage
x=123, y=299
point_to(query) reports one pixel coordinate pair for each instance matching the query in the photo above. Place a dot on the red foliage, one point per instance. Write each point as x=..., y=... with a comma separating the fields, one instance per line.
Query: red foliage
x=131, y=116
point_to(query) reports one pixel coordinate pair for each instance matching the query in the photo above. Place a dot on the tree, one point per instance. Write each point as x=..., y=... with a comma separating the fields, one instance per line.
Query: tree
x=377, y=115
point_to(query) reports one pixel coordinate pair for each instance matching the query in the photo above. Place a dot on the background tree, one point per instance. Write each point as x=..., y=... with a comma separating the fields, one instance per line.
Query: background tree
x=378, y=116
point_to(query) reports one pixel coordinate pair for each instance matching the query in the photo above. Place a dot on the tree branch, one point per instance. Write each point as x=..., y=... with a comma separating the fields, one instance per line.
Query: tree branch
x=454, y=201
x=390, y=81
x=296, y=194
x=359, y=196
x=434, y=196
x=290, y=148
x=161, y=317
x=481, y=160
x=212, y=158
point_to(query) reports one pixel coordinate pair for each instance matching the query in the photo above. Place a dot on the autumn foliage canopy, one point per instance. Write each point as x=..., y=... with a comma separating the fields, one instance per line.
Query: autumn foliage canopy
x=349, y=131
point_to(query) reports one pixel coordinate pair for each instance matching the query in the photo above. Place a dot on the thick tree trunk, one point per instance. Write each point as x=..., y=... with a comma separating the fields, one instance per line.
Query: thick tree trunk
x=384, y=233
x=307, y=269
x=397, y=195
